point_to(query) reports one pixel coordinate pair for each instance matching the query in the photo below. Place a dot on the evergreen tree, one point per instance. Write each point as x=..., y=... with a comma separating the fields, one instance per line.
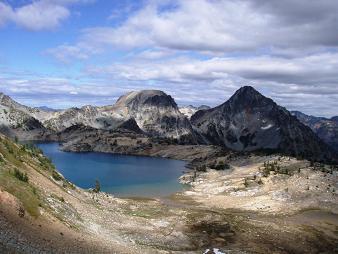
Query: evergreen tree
x=97, y=188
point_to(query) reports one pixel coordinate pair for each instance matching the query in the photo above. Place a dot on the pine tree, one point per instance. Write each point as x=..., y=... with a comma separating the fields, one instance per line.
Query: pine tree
x=97, y=188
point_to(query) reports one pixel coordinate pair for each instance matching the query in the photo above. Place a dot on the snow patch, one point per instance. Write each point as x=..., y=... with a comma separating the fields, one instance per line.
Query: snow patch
x=267, y=127
x=214, y=250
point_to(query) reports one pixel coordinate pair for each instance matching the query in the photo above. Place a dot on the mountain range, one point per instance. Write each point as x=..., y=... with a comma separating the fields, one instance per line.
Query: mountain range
x=248, y=121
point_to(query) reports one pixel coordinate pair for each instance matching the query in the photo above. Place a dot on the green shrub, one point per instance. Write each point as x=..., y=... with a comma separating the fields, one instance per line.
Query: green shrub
x=56, y=176
x=21, y=176
x=97, y=188
x=220, y=166
x=246, y=182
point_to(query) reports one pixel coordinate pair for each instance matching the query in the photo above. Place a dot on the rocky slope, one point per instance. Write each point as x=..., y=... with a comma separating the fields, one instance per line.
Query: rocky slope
x=19, y=120
x=249, y=121
x=325, y=128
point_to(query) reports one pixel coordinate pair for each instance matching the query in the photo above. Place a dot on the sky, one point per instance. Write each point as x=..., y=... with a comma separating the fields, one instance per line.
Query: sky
x=63, y=53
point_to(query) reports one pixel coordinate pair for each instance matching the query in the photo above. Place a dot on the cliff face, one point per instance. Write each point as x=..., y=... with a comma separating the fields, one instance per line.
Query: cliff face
x=249, y=121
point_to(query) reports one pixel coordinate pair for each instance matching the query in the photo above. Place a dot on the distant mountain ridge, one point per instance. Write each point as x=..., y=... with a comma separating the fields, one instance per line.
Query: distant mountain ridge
x=189, y=110
x=325, y=128
x=47, y=109
x=248, y=121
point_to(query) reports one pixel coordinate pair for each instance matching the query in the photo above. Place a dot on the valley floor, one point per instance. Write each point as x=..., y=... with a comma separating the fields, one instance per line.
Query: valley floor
x=241, y=210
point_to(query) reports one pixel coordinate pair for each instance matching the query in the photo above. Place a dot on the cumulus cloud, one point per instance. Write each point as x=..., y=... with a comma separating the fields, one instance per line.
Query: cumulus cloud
x=37, y=15
x=40, y=15
x=224, y=26
x=304, y=71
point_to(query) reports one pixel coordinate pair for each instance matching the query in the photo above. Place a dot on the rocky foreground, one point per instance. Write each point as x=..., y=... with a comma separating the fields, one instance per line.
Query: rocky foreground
x=260, y=204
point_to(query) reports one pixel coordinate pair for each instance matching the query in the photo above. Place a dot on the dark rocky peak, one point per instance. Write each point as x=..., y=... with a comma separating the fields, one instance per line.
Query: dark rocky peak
x=250, y=121
x=248, y=96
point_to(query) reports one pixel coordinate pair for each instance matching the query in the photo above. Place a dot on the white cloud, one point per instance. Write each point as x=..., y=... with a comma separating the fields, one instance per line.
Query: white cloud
x=307, y=70
x=224, y=26
x=38, y=15
x=152, y=54
x=63, y=53
x=6, y=13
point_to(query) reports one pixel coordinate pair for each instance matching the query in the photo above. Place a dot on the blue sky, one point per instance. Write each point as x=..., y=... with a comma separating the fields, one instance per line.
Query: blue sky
x=63, y=53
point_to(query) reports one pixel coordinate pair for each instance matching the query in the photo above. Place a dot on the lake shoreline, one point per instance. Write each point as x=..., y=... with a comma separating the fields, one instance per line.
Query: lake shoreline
x=119, y=174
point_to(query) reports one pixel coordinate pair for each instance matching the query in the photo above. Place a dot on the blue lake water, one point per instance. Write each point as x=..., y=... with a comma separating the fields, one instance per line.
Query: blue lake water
x=121, y=175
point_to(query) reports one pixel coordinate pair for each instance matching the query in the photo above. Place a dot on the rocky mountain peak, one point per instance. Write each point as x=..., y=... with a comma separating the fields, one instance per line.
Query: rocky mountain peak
x=248, y=96
x=156, y=113
x=147, y=97
x=250, y=121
